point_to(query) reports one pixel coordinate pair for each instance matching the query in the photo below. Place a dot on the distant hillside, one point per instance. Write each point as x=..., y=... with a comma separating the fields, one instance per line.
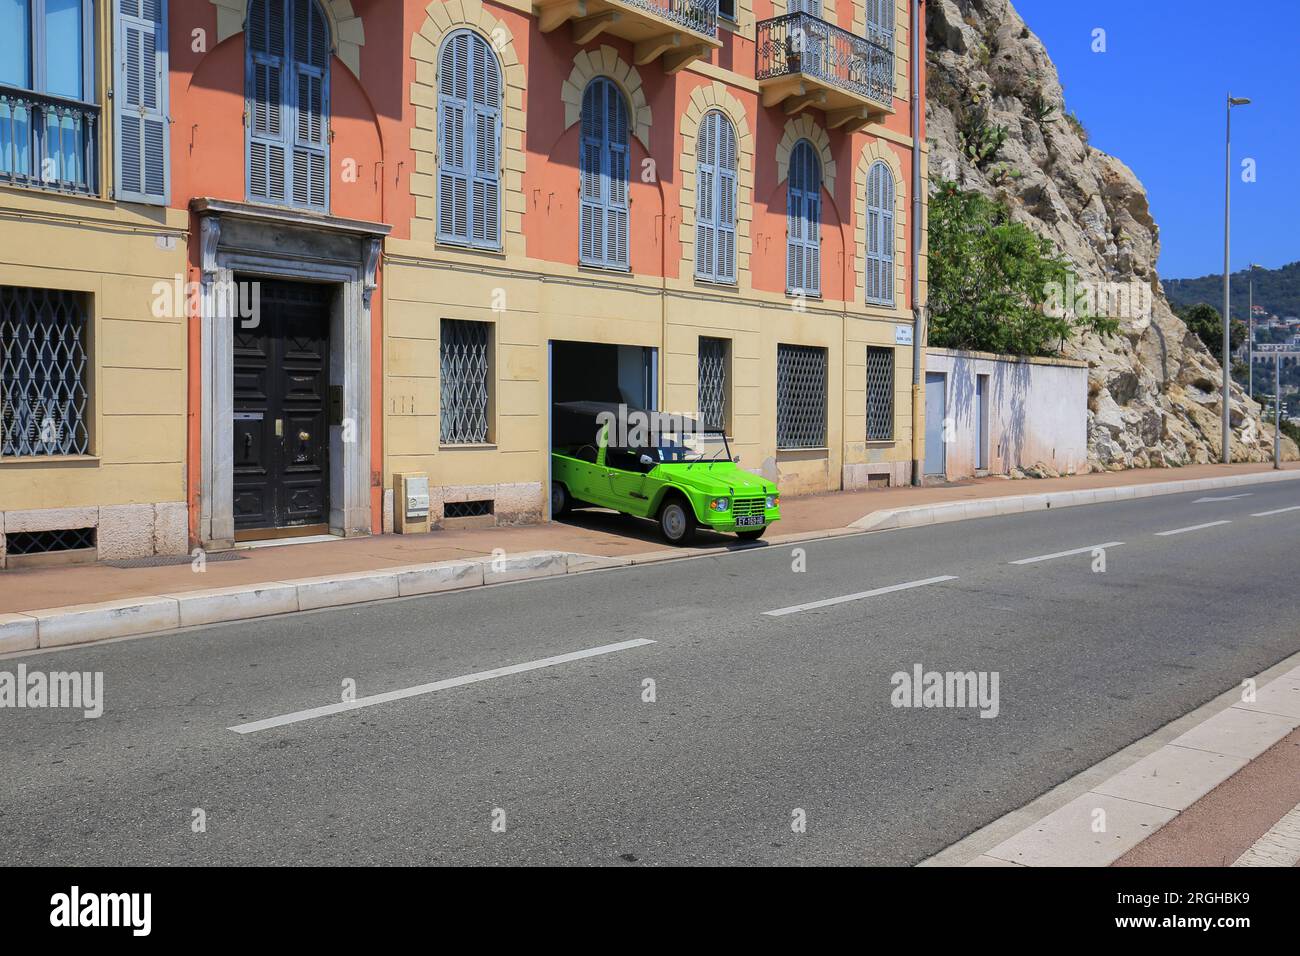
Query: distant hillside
x=1277, y=290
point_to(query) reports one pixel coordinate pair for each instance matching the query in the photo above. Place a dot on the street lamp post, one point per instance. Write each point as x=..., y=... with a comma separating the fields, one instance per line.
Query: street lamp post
x=1227, y=318
x=1250, y=330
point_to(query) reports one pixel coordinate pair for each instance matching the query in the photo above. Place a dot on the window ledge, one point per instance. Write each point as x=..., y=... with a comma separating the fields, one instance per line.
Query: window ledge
x=39, y=460
x=882, y=441
x=781, y=450
x=469, y=446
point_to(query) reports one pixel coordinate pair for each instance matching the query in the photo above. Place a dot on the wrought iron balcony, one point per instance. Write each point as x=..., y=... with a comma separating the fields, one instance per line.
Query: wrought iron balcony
x=803, y=61
x=48, y=142
x=680, y=31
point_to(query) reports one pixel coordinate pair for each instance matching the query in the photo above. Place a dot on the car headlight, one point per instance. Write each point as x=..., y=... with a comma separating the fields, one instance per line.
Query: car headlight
x=720, y=504
x=773, y=500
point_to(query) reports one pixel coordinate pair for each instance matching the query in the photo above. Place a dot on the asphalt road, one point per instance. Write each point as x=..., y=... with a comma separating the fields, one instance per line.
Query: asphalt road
x=755, y=718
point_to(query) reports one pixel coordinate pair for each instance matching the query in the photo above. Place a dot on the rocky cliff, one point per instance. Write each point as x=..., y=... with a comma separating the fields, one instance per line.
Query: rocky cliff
x=998, y=124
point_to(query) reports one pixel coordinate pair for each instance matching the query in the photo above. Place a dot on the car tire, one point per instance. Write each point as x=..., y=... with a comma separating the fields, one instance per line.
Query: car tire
x=752, y=534
x=676, y=521
x=560, y=500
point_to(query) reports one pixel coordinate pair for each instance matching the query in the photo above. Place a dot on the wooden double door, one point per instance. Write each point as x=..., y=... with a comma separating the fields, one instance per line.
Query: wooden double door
x=281, y=425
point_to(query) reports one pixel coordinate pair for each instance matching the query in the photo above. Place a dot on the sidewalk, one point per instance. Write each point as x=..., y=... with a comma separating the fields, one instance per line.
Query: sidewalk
x=585, y=540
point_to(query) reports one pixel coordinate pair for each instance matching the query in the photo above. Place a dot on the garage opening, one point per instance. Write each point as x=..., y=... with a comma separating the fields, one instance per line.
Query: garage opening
x=601, y=372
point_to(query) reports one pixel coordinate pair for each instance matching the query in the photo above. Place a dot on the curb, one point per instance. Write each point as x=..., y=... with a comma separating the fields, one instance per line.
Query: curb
x=87, y=623
x=131, y=617
x=1140, y=799
x=918, y=515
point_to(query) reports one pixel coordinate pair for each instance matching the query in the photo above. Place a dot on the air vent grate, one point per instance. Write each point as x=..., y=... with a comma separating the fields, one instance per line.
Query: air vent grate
x=467, y=509
x=48, y=542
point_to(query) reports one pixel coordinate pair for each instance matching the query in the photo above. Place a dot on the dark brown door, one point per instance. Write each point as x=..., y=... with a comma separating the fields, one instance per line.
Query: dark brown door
x=281, y=439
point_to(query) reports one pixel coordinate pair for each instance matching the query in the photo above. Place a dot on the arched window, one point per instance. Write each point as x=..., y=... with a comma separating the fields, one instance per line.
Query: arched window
x=715, y=199
x=604, y=170
x=803, y=254
x=287, y=89
x=469, y=141
x=880, y=235
x=880, y=22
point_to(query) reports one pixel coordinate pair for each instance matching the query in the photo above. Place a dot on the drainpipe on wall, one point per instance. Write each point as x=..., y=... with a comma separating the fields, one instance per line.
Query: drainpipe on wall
x=918, y=311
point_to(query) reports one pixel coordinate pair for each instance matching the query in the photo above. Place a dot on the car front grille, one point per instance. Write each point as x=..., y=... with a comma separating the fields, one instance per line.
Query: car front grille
x=745, y=507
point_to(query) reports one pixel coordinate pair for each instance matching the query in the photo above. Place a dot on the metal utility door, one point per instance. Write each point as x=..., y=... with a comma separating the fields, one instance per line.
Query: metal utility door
x=936, y=403
x=982, y=422
x=281, y=438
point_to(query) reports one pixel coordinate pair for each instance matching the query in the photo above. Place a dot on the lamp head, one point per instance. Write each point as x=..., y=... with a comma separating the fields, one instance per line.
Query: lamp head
x=1238, y=101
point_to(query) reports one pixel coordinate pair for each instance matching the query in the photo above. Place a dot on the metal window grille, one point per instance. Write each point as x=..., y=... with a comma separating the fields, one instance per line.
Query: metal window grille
x=23, y=543
x=712, y=393
x=464, y=391
x=42, y=372
x=880, y=394
x=800, y=396
x=467, y=509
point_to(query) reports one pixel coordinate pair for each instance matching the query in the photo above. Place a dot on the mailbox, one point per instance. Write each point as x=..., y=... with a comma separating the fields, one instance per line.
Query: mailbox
x=410, y=503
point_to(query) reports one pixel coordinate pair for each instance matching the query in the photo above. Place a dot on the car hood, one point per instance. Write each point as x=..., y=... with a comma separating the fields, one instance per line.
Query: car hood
x=716, y=478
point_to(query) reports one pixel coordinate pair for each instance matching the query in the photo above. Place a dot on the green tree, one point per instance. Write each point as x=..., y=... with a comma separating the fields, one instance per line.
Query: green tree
x=992, y=281
x=1206, y=322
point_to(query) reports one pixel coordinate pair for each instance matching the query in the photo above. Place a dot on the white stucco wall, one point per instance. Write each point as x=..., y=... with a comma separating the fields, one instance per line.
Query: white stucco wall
x=1037, y=411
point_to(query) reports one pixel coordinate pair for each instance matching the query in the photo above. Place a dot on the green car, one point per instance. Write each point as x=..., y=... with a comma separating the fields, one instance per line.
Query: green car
x=682, y=480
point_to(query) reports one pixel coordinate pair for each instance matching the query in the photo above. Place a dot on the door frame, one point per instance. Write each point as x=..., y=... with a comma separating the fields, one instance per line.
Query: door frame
x=233, y=245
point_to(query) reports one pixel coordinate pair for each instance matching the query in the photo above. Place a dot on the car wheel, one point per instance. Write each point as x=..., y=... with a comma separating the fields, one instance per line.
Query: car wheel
x=751, y=535
x=560, y=500
x=676, y=522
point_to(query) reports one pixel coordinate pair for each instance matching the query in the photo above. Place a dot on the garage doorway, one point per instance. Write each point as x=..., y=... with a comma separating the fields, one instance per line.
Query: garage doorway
x=599, y=372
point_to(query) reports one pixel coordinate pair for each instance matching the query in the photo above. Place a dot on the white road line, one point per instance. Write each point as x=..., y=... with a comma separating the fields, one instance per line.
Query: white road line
x=795, y=609
x=1280, y=846
x=1278, y=511
x=1224, y=498
x=327, y=710
x=1195, y=527
x=1065, y=554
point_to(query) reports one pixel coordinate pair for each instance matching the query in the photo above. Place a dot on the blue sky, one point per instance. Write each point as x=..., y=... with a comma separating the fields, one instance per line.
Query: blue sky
x=1155, y=99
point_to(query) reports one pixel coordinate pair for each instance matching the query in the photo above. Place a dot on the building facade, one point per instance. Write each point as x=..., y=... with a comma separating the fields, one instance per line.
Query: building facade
x=260, y=256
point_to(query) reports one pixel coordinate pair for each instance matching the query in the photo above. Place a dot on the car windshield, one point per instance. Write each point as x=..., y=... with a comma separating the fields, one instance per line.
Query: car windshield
x=692, y=446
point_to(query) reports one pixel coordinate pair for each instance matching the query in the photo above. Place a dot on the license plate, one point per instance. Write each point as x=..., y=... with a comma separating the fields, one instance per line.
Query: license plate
x=749, y=521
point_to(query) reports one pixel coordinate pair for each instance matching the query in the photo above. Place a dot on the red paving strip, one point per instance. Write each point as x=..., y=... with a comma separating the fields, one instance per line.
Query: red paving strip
x=586, y=532
x=1226, y=822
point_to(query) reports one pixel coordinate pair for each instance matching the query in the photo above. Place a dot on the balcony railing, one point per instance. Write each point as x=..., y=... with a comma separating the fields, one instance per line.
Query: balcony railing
x=48, y=142
x=678, y=31
x=800, y=44
x=698, y=15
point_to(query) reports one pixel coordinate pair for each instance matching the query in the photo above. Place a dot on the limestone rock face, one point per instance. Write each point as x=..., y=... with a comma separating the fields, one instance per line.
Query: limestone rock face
x=1153, y=388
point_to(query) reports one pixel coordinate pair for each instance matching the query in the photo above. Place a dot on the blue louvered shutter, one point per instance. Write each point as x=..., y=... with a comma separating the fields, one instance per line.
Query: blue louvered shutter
x=140, y=102
x=803, y=214
x=267, y=147
x=725, y=240
x=288, y=103
x=706, y=197
x=880, y=235
x=604, y=174
x=880, y=22
x=311, y=49
x=485, y=99
x=453, y=147
x=715, y=199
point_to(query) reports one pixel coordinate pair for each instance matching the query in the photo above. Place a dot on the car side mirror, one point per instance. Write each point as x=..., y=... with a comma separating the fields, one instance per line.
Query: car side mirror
x=647, y=460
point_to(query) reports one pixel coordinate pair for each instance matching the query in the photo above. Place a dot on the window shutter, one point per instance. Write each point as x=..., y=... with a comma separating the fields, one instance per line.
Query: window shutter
x=140, y=102
x=725, y=258
x=879, y=277
x=486, y=98
x=267, y=150
x=706, y=208
x=311, y=55
x=604, y=172
x=453, y=106
x=803, y=212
